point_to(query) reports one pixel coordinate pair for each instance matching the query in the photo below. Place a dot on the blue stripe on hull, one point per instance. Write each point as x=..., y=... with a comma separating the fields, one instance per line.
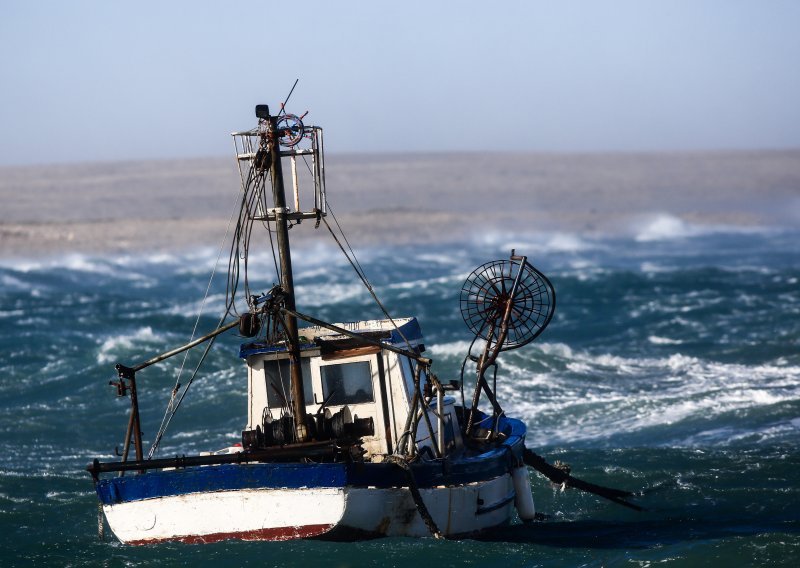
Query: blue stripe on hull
x=152, y=484
x=219, y=478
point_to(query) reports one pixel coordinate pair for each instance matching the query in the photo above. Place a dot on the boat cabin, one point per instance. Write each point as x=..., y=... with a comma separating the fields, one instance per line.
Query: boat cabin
x=341, y=372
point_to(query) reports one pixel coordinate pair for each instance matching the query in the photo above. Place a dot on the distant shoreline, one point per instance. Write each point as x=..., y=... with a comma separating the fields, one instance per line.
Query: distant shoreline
x=166, y=206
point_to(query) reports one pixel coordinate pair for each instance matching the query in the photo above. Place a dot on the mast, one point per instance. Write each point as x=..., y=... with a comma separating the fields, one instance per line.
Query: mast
x=287, y=280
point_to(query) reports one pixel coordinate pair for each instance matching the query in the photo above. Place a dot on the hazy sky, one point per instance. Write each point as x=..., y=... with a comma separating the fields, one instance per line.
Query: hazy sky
x=103, y=80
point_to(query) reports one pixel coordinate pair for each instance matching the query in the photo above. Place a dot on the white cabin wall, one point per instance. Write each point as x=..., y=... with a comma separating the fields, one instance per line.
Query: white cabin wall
x=398, y=393
x=256, y=390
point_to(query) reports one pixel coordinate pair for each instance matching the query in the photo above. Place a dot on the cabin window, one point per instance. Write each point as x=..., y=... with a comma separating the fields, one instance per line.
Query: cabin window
x=278, y=382
x=347, y=383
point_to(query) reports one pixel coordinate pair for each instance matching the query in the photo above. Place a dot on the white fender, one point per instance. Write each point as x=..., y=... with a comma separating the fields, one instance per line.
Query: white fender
x=523, y=499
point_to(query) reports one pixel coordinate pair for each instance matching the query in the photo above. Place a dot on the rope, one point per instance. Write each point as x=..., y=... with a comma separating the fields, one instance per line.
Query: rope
x=422, y=509
x=101, y=525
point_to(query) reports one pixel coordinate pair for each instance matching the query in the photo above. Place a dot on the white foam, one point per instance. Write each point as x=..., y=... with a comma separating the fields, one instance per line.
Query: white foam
x=11, y=313
x=727, y=435
x=322, y=294
x=649, y=267
x=585, y=396
x=657, y=340
x=426, y=283
x=454, y=258
x=454, y=348
x=565, y=242
x=100, y=265
x=112, y=345
x=11, y=283
x=527, y=243
x=213, y=305
x=132, y=260
x=556, y=349
x=664, y=227
x=15, y=499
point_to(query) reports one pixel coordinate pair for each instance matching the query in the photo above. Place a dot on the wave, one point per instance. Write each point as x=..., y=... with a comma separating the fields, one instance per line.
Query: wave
x=454, y=348
x=324, y=294
x=573, y=396
x=75, y=262
x=211, y=306
x=657, y=340
x=110, y=348
x=541, y=242
x=665, y=227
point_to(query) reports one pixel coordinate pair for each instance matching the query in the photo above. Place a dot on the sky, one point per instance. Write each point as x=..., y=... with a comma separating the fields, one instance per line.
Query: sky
x=86, y=81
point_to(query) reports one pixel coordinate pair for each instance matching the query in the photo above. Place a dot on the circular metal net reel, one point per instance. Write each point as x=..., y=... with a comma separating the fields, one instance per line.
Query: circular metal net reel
x=290, y=130
x=487, y=293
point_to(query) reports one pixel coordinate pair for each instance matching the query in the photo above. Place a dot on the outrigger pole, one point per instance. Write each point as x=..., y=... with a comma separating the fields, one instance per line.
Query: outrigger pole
x=128, y=374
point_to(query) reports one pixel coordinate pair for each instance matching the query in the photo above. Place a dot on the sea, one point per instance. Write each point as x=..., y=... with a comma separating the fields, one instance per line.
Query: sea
x=671, y=369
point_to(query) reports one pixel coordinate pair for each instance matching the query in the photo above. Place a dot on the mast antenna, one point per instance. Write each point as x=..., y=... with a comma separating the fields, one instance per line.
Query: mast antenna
x=286, y=100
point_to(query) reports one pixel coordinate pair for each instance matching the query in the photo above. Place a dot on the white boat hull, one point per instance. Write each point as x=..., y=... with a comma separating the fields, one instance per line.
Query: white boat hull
x=457, y=511
x=246, y=514
x=284, y=514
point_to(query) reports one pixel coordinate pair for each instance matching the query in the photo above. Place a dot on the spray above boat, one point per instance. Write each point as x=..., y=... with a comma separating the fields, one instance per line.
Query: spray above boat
x=348, y=432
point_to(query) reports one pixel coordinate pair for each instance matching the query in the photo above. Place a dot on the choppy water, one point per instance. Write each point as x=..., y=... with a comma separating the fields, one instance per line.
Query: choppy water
x=672, y=367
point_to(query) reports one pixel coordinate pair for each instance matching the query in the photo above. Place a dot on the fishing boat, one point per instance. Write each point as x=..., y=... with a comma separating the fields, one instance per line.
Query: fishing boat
x=349, y=433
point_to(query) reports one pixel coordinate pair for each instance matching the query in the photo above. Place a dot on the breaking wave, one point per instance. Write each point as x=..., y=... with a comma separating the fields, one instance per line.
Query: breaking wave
x=579, y=397
x=111, y=347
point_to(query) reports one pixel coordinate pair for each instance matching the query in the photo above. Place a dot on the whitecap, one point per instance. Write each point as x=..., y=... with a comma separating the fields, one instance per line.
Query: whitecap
x=110, y=347
x=523, y=243
x=566, y=242
x=561, y=350
x=664, y=227
x=213, y=305
x=15, y=499
x=443, y=260
x=656, y=340
x=598, y=396
x=323, y=294
x=9, y=282
x=454, y=348
x=423, y=284
x=11, y=313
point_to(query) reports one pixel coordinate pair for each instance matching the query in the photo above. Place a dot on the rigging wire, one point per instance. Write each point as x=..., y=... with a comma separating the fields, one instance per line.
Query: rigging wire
x=406, y=451
x=170, y=404
x=360, y=271
x=356, y=265
x=174, y=411
x=270, y=230
x=240, y=249
x=283, y=104
x=254, y=198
